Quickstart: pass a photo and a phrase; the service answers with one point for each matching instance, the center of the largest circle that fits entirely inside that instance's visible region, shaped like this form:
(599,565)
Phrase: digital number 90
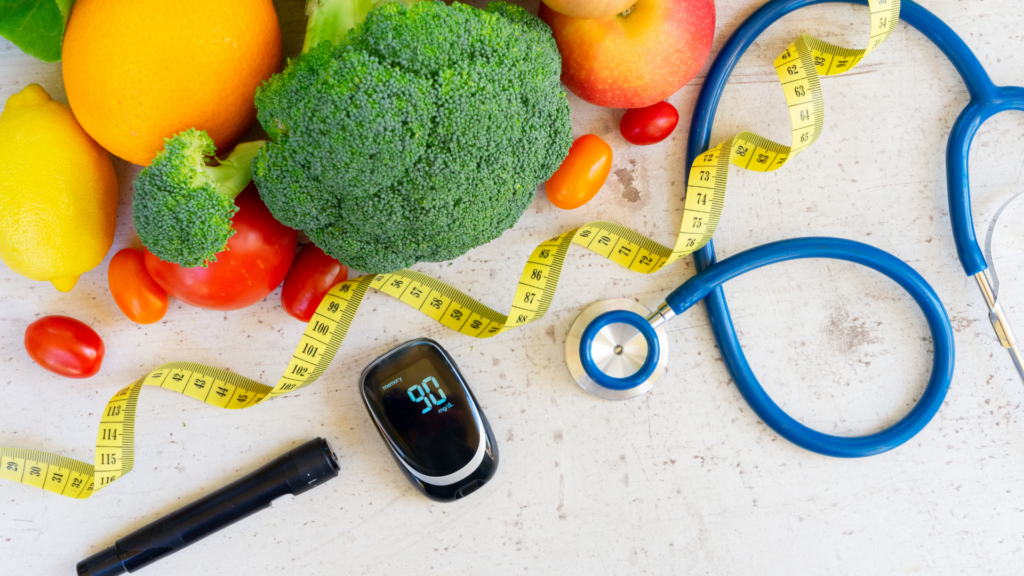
(422,393)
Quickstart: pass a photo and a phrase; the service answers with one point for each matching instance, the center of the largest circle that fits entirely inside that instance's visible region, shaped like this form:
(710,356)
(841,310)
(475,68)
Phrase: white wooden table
(684,480)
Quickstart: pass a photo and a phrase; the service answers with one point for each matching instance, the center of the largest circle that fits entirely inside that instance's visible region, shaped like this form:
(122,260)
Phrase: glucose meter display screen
(425,410)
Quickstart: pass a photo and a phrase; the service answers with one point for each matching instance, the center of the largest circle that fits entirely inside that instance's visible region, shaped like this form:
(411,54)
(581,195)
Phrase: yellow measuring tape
(798,69)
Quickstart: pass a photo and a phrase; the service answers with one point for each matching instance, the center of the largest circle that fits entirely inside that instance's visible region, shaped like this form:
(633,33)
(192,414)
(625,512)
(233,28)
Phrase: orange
(139,71)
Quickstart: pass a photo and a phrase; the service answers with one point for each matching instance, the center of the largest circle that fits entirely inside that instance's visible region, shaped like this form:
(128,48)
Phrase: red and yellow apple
(637,57)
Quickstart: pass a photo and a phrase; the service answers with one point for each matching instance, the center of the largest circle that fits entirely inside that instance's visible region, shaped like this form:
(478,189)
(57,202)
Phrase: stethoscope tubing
(982,90)
(700,286)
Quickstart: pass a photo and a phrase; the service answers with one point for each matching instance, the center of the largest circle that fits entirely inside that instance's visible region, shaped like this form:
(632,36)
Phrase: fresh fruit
(256,261)
(589,8)
(313,274)
(58,191)
(141,71)
(635,58)
(650,125)
(581,174)
(141,299)
(64,346)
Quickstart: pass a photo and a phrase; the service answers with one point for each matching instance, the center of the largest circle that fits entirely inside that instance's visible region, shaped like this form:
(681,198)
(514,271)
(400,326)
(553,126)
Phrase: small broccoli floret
(183,206)
(416,136)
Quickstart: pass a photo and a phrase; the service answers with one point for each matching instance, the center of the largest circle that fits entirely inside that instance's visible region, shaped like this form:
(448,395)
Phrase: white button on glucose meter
(429,419)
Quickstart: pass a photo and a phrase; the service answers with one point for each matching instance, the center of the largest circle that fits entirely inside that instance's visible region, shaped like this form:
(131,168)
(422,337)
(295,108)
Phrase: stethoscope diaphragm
(618,350)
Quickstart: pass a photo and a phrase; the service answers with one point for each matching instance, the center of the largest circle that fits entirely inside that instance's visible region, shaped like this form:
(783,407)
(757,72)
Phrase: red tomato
(312,275)
(141,299)
(650,125)
(256,260)
(581,174)
(64,346)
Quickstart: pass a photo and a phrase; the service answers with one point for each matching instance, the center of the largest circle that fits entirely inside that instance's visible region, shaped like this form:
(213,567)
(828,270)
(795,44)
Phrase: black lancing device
(295,472)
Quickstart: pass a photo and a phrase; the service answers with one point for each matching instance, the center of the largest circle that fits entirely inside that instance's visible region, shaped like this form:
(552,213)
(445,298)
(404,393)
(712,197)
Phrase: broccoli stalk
(233,173)
(183,206)
(330,20)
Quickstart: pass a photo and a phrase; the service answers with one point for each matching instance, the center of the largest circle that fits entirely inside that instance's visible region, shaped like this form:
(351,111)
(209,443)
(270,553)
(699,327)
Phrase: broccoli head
(183,206)
(417,135)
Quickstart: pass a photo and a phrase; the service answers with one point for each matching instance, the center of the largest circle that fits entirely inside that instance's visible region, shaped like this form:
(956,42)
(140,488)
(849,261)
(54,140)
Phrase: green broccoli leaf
(35,26)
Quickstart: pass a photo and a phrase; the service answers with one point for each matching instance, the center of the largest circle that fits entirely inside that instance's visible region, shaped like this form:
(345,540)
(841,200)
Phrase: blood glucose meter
(429,419)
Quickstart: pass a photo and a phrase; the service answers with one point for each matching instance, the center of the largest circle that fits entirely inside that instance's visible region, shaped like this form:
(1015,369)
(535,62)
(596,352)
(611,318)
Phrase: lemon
(58,191)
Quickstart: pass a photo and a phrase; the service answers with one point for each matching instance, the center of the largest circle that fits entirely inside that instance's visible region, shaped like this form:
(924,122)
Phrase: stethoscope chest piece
(626,355)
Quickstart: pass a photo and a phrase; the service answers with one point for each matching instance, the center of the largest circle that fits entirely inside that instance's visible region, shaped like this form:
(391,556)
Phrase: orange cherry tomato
(581,174)
(141,299)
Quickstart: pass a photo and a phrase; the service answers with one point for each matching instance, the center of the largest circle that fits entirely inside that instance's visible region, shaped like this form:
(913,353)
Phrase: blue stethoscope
(616,348)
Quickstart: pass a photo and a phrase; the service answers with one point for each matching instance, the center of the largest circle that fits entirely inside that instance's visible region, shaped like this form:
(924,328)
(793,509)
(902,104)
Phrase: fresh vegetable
(650,125)
(421,135)
(138,71)
(141,299)
(58,191)
(582,173)
(183,206)
(64,346)
(35,26)
(589,8)
(256,261)
(638,57)
(313,274)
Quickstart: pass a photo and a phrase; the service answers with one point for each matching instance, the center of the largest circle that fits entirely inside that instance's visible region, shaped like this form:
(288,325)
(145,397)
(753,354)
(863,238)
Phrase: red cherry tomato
(581,174)
(650,125)
(64,346)
(256,261)
(312,275)
(141,299)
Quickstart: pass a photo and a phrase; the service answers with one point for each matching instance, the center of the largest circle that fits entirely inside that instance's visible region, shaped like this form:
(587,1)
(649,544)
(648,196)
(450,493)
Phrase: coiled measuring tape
(798,69)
